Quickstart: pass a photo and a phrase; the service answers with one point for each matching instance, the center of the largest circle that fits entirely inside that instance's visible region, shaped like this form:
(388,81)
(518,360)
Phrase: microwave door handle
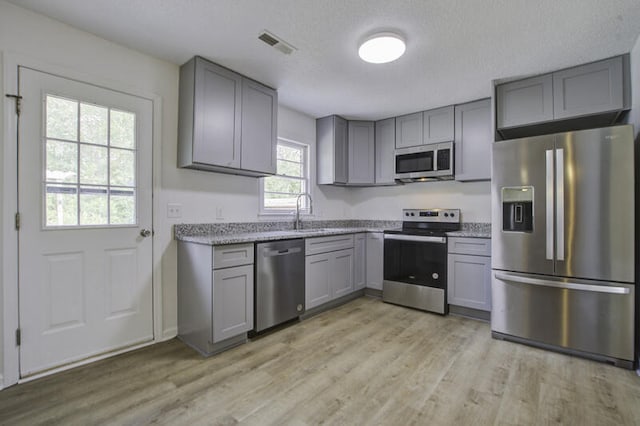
(549,204)
(560,203)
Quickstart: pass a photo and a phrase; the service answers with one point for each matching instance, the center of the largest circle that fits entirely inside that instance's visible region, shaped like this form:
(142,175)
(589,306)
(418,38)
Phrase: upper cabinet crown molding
(585,96)
(227,123)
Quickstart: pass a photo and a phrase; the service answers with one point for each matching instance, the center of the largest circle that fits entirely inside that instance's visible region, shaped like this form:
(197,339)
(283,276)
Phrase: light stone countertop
(469,234)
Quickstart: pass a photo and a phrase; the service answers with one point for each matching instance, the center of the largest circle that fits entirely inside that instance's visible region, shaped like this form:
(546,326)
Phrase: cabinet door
(385,144)
(409,130)
(361,152)
(217,110)
(341,159)
(360,261)
(375,260)
(317,279)
(437,125)
(469,281)
(259,121)
(473,141)
(588,89)
(525,102)
(232,302)
(342,273)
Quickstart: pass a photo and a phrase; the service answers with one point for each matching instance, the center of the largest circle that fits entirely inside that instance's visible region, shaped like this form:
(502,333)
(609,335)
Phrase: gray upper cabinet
(525,102)
(332,151)
(588,89)
(586,96)
(409,130)
(473,140)
(385,143)
(220,113)
(259,131)
(361,143)
(437,125)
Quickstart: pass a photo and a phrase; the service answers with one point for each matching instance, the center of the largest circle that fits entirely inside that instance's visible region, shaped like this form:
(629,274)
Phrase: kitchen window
(280,192)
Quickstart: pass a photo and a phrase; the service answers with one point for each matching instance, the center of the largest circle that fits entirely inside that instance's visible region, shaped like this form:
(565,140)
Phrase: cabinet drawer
(474,246)
(327,244)
(232,255)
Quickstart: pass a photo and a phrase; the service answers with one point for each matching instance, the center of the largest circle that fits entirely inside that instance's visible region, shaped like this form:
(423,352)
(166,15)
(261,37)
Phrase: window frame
(305,148)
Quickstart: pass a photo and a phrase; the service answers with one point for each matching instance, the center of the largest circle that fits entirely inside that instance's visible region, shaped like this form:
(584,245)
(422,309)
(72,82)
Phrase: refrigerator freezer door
(595,206)
(522,164)
(576,315)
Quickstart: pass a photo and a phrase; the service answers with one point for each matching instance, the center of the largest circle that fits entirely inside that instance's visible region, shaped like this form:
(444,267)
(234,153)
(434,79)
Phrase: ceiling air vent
(276,42)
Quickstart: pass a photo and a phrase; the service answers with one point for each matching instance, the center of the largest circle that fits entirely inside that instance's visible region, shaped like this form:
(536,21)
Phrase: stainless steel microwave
(424,162)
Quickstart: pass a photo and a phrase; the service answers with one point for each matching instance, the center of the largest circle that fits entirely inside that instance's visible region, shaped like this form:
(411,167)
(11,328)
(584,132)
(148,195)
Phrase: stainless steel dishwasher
(279,283)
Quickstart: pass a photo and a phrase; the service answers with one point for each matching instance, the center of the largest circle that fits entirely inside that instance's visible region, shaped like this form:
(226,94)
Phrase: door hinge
(18,100)
(17,221)
(18,337)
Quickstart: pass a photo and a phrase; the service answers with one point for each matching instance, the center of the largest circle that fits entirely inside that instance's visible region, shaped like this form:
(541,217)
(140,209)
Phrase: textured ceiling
(454,47)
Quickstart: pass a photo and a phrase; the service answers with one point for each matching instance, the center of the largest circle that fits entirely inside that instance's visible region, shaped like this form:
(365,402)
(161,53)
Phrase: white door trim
(10,368)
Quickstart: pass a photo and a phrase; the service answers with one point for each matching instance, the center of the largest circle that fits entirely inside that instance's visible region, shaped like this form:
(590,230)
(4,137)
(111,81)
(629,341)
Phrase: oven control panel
(431,215)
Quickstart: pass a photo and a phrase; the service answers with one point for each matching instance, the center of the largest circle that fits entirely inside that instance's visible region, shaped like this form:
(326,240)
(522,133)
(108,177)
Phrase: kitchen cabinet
(215,295)
(332,150)
(438,125)
(227,123)
(361,142)
(385,144)
(590,95)
(329,268)
(473,139)
(469,273)
(409,130)
(375,260)
(360,261)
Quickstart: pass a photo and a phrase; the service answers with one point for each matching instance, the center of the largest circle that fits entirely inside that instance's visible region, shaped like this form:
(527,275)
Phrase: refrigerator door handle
(560,203)
(571,286)
(549,203)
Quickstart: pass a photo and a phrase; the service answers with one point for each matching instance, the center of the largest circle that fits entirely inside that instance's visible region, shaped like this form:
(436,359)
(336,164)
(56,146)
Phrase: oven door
(415,271)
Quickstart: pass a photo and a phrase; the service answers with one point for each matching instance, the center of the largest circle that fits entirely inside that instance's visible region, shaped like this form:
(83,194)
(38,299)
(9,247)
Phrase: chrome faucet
(296,224)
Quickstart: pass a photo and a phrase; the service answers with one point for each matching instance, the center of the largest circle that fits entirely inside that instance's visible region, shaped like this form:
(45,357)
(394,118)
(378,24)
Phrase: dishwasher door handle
(271,253)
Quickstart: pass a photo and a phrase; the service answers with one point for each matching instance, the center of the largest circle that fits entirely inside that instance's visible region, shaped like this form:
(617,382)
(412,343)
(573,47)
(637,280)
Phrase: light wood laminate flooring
(363,363)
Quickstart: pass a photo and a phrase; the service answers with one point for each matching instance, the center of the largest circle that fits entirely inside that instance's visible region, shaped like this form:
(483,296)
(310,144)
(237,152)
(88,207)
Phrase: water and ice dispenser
(517,209)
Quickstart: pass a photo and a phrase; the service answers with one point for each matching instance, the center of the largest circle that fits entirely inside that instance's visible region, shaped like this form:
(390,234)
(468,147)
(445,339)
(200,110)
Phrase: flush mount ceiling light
(381,48)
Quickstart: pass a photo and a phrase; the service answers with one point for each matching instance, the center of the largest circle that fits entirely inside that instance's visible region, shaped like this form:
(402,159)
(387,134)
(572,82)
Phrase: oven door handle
(418,238)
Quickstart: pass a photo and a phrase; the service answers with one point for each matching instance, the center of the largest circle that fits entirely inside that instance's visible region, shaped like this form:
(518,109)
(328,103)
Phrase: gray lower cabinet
(360,261)
(473,139)
(385,144)
(375,260)
(597,88)
(469,273)
(215,295)
(332,150)
(361,142)
(226,122)
(329,268)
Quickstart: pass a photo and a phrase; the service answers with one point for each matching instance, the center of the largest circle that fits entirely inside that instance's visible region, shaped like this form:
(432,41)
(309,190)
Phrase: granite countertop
(251,237)
(250,232)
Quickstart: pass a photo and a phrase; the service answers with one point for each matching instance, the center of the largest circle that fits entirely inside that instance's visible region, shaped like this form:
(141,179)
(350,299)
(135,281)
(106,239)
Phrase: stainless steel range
(415,259)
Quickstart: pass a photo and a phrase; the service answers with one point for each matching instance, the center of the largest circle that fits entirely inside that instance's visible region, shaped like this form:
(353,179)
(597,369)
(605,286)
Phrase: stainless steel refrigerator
(563,242)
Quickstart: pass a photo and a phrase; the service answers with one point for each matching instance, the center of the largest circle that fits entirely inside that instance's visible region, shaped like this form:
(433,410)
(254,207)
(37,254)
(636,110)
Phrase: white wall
(473,198)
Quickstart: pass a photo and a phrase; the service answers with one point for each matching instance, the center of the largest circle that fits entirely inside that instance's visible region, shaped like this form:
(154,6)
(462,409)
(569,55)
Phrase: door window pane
(123,125)
(90,177)
(62,161)
(93,165)
(122,167)
(62,118)
(93,124)
(61,205)
(93,206)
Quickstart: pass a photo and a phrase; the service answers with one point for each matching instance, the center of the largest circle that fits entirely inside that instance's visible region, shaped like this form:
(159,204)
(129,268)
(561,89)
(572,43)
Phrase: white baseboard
(169,334)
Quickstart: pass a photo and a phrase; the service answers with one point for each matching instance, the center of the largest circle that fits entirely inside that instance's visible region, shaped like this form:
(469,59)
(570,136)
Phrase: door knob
(145,233)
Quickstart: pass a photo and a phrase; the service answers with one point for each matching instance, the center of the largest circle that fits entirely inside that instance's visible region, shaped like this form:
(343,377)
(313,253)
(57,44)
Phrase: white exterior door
(84,197)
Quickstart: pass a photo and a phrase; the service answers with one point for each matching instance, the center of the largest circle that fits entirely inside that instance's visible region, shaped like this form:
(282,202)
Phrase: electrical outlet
(219,213)
(174,211)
